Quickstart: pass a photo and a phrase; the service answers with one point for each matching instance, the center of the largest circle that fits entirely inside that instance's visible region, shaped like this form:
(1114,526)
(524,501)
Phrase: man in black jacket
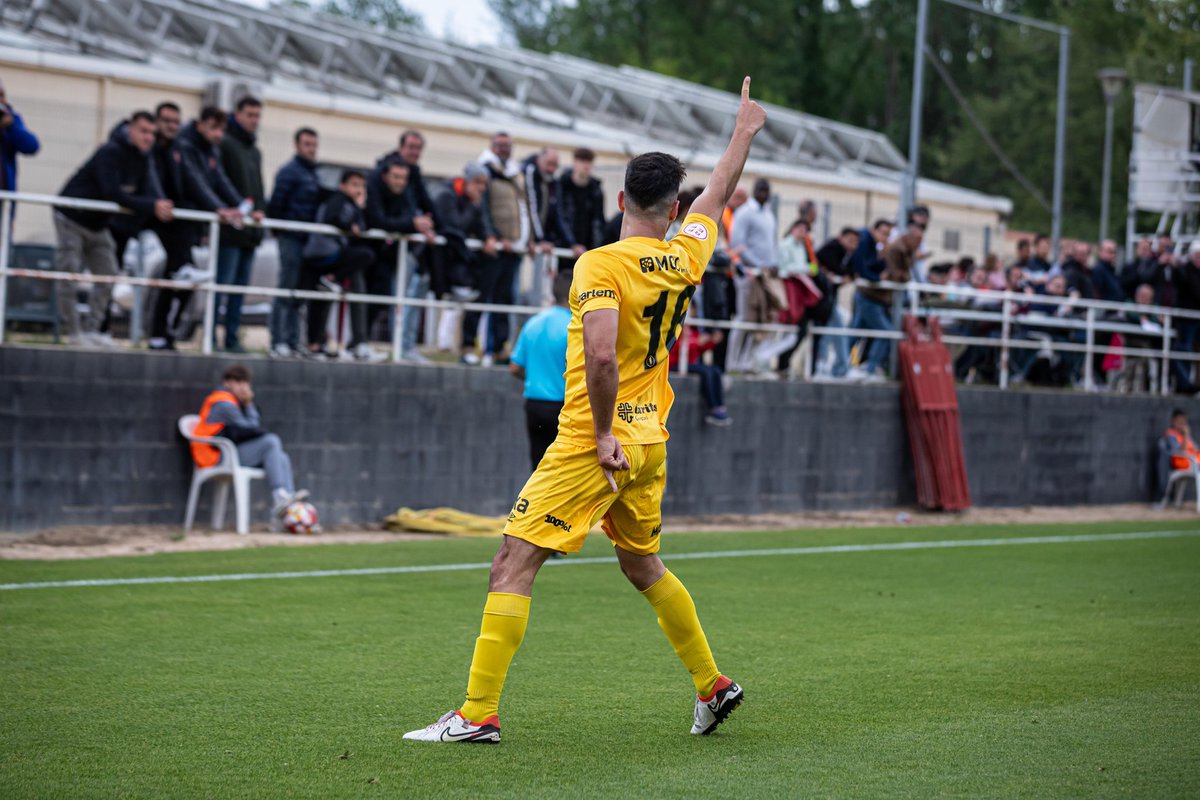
(836,266)
(242,161)
(541,197)
(1104,273)
(194,173)
(1078,273)
(391,208)
(581,206)
(412,144)
(118,172)
(295,196)
(329,260)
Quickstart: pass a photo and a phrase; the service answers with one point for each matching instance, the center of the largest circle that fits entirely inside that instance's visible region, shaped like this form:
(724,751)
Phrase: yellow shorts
(568,494)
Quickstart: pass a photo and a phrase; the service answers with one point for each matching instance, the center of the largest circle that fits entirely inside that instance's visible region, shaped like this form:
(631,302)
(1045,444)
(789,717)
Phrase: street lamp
(1112,82)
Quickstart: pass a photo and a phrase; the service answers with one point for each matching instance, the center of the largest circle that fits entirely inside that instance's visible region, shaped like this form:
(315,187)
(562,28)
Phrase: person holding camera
(15,139)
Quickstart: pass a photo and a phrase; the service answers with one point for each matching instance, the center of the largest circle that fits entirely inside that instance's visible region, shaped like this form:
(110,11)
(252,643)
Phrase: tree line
(852,61)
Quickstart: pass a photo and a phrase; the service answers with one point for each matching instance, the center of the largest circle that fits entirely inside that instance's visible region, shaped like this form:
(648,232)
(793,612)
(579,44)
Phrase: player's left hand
(611,457)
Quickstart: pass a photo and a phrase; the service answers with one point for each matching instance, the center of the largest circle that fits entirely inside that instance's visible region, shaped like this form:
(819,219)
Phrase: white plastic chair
(1177,484)
(225,472)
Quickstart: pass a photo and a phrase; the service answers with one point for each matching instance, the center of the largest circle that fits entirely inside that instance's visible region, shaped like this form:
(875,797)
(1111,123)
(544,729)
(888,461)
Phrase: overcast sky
(469,21)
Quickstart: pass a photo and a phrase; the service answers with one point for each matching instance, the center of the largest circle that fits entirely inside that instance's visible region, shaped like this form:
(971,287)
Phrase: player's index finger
(746,88)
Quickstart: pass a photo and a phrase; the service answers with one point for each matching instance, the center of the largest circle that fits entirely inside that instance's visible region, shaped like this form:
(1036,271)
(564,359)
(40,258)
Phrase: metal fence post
(135,314)
(1089,383)
(683,348)
(401,293)
(1005,332)
(897,324)
(210,291)
(5,239)
(1165,379)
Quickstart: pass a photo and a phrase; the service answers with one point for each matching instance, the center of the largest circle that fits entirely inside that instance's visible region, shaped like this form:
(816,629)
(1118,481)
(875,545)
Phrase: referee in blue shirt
(540,359)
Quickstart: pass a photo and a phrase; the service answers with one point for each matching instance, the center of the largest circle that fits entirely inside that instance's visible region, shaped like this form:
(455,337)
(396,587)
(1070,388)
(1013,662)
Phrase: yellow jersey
(650,283)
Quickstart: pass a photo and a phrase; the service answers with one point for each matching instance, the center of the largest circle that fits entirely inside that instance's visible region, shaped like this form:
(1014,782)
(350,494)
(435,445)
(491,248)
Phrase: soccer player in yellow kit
(609,461)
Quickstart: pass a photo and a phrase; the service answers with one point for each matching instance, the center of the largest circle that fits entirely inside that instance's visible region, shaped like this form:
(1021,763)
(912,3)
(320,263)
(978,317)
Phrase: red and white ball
(301,518)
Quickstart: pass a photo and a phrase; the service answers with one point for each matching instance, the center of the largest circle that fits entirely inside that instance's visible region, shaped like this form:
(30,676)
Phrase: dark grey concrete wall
(90,438)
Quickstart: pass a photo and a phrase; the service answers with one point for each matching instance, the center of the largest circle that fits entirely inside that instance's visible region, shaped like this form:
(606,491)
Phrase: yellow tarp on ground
(444,520)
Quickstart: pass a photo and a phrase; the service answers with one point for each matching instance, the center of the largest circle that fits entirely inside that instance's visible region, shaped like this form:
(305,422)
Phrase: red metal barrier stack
(931,413)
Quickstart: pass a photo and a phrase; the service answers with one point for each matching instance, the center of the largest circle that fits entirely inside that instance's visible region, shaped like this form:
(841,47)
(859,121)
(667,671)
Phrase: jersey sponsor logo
(521,507)
(558,523)
(657,530)
(660,263)
(592,294)
(696,230)
(629,413)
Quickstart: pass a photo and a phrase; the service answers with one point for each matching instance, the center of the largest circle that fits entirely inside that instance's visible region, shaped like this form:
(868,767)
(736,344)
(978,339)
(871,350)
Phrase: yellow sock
(677,617)
(504,619)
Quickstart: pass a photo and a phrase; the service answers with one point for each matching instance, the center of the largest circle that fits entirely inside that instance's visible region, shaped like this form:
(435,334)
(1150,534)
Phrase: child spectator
(712,389)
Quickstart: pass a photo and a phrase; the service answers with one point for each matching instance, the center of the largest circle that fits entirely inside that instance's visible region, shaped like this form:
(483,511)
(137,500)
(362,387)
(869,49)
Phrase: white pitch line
(779,551)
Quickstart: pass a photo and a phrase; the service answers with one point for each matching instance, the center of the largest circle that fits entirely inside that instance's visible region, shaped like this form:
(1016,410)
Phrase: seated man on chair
(230,412)
(1180,447)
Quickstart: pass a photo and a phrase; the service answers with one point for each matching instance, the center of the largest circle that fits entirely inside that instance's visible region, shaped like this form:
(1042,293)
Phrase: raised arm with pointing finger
(751,117)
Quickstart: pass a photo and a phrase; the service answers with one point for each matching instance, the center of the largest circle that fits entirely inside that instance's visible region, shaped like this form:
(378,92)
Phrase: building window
(950,240)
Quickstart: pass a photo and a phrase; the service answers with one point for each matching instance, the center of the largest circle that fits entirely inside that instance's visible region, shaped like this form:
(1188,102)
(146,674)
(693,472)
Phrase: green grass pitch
(1032,670)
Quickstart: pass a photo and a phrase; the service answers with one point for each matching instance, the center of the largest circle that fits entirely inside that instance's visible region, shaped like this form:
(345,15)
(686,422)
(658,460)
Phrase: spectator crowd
(154,164)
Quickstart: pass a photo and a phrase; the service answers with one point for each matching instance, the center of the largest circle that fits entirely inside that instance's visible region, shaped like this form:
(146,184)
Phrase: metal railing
(211,288)
(908,297)
(1013,324)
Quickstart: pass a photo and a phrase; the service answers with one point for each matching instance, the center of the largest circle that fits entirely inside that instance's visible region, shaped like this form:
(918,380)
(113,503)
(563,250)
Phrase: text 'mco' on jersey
(649,282)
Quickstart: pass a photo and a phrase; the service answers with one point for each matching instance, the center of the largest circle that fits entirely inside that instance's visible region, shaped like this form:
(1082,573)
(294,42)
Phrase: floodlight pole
(909,184)
(1060,140)
(1112,81)
(908,188)
(1106,181)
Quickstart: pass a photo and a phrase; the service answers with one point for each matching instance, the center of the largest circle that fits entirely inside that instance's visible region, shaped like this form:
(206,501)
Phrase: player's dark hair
(214,114)
(237,372)
(410,134)
(1178,412)
(1041,237)
(880,222)
(1023,244)
(848,230)
(249,101)
(166,106)
(652,182)
(146,115)
(562,286)
(584,154)
(348,174)
(395,162)
(304,132)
